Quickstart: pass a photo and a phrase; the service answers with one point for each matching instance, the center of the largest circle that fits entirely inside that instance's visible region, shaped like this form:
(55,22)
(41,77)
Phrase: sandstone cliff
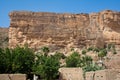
(64,31)
(3,37)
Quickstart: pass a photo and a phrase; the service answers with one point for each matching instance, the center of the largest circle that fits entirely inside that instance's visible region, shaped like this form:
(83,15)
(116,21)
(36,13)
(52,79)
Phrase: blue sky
(58,6)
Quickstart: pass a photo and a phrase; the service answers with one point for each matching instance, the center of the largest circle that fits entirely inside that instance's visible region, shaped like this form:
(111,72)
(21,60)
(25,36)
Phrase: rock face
(64,31)
(114,62)
(3,37)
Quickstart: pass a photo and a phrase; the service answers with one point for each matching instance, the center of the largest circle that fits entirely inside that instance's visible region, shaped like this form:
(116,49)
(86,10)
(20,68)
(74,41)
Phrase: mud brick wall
(12,76)
(107,74)
(71,74)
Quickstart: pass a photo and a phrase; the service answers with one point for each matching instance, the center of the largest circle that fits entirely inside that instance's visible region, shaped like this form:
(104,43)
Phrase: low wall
(12,76)
(90,75)
(71,74)
(107,74)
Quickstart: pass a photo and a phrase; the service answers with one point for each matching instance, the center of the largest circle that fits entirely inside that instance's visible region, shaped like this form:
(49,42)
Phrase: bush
(23,59)
(90,48)
(86,61)
(18,60)
(47,67)
(73,60)
(92,67)
(59,55)
(84,52)
(96,49)
(114,51)
(102,53)
(45,50)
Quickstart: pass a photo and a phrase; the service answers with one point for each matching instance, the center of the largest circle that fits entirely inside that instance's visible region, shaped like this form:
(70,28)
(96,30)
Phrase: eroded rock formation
(64,30)
(3,37)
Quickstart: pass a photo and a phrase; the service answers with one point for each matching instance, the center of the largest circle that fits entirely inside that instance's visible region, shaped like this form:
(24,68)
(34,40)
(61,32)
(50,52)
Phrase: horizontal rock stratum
(60,31)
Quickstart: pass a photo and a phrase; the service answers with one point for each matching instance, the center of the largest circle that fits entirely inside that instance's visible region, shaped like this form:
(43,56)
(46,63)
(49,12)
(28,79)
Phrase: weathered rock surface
(64,30)
(3,37)
(113,62)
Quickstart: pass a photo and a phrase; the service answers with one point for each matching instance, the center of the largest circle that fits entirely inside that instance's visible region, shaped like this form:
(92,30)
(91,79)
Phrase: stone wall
(77,74)
(90,75)
(12,77)
(71,74)
(107,74)
(60,31)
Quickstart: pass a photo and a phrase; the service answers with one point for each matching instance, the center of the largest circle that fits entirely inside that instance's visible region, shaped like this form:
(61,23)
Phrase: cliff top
(26,13)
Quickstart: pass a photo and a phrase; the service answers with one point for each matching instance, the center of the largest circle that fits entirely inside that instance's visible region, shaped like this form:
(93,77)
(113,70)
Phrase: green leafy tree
(3,61)
(6,60)
(59,55)
(23,59)
(47,67)
(17,60)
(51,67)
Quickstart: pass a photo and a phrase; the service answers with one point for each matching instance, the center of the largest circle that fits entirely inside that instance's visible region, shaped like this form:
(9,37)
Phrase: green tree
(3,65)
(23,59)
(47,67)
(17,60)
(73,60)
(6,60)
(59,55)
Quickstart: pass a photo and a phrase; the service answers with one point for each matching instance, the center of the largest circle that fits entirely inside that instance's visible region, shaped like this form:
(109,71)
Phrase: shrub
(96,49)
(102,53)
(47,67)
(90,48)
(73,60)
(17,60)
(84,52)
(59,55)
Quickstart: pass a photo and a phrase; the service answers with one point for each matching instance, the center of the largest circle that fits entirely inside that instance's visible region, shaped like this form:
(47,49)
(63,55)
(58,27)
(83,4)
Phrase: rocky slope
(3,37)
(64,31)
